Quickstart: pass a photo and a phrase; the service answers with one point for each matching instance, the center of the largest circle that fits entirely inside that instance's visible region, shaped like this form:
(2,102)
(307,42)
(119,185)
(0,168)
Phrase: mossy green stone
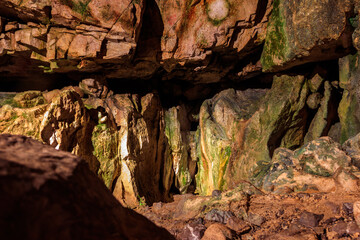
(29,99)
(322,157)
(280,122)
(8,99)
(105,144)
(177,150)
(349,107)
(275,49)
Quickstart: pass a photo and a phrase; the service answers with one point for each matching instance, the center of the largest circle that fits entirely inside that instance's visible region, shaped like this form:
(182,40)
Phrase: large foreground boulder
(51,194)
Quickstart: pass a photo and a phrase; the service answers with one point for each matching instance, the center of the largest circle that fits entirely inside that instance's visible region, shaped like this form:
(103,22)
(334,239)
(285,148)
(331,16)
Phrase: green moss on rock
(105,143)
(8,99)
(322,157)
(276,45)
(280,122)
(178,152)
(29,99)
(349,107)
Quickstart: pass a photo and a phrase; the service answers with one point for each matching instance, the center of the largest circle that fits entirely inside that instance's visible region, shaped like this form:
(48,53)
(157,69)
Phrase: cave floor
(303,215)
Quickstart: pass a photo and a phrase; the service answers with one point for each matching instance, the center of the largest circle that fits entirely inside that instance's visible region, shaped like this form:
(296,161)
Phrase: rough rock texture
(66,125)
(326,112)
(319,165)
(306,31)
(63,123)
(217,231)
(352,149)
(349,107)
(144,152)
(284,114)
(21,121)
(39,183)
(222,123)
(97,35)
(194,29)
(179,137)
(145,68)
(199,41)
(122,138)
(140,147)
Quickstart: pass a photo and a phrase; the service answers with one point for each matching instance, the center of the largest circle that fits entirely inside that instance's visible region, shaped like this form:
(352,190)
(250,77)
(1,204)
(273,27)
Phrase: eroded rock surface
(92,35)
(306,31)
(223,121)
(349,105)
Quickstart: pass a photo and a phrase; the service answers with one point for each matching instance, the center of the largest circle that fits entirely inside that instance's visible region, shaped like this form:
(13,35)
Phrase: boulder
(192,231)
(280,172)
(218,231)
(29,99)
(39,183)
(310,220)
(319,165)
(23,121)
(222,123)
(219,216)
(322,157)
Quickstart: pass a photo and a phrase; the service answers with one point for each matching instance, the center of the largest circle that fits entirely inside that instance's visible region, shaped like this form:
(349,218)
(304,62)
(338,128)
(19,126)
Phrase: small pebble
(216,193)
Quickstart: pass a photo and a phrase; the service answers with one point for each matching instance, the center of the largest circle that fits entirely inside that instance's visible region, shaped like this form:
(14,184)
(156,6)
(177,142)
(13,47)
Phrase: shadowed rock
(50,194)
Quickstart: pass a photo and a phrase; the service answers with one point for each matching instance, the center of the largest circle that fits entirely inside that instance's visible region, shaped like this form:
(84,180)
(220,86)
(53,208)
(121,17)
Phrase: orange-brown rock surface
(51,194)
(97,35)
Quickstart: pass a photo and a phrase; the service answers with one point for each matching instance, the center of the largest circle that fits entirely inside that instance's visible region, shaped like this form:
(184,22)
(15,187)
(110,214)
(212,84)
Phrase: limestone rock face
(39,183)
(349,107)
(29,99)
(121,137)
(66,126)
(283,112)
(22,121)
(306,31)
(223,120)
(177,131)
(320,124)
(140,147)
(193,28)
(96,35)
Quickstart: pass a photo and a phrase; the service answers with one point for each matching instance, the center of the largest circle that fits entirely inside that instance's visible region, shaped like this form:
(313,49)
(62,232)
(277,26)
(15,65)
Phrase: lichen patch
(218,10)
